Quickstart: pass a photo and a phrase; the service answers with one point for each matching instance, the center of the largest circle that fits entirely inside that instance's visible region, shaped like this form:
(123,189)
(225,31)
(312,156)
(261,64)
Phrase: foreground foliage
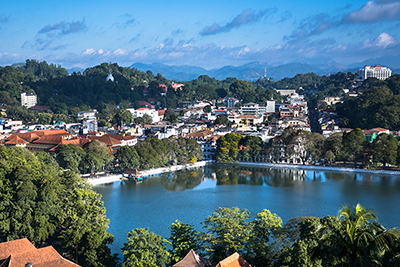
(49,206)
(350,239)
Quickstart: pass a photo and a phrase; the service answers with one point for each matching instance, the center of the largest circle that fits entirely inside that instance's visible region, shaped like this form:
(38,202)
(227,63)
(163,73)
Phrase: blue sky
(209,34)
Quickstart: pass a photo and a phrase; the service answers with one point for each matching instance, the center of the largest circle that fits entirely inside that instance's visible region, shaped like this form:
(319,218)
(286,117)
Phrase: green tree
(144,246)
(97,156)
(354,144)
(44,118)
(127,157)
(226,231)
(71,157)
(364,242)
(41,202)
(228,148)
(123,116)
(207,109)
(385,149)
(84,228)
(170,115)
(265,225)
(183,238)
(222,120)
(29,196)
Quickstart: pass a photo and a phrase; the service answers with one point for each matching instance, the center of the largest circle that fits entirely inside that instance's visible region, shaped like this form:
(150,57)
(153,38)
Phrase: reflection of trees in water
(340,175)
(231,175)
(182,180)
(283,177)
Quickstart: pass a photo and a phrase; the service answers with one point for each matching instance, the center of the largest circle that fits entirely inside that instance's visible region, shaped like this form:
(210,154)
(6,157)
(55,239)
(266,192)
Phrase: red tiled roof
(25,136)
(16,140)
(161,112)
(19,252)
(234,260)
(144,103)
(106,139)
(379,129)
(49,140)
(369,132)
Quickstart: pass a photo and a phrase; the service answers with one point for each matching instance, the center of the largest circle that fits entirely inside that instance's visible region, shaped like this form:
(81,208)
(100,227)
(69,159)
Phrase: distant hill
(70,71)
(251,71)
(392,62)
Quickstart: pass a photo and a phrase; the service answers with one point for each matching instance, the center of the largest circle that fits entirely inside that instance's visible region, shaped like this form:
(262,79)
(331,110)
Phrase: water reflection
(182,180)
(274,177)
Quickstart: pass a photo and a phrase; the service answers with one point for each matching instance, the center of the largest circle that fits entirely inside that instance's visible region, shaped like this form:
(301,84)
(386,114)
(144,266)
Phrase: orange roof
(49,140)
(25,136)
(7,248)
(19,252)
(379,129)
(234,260)
(248,116)
(161,112)
(106,139)
(16,140)
(200,134)
(143,109)
(77,141)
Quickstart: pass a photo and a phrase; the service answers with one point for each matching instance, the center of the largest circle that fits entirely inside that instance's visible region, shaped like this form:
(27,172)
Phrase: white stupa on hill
(110,77)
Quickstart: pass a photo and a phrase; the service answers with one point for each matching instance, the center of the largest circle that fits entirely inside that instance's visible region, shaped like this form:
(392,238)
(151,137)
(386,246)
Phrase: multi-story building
(28,99)
(379,72)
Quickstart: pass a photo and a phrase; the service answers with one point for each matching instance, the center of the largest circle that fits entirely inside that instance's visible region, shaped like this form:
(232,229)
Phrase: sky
(209,34)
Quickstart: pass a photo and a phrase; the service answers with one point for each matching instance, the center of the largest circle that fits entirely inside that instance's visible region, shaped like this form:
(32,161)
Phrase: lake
(192,195)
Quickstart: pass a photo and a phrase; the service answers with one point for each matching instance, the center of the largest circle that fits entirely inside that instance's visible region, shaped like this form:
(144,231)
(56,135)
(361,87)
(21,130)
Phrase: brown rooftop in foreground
(20,252)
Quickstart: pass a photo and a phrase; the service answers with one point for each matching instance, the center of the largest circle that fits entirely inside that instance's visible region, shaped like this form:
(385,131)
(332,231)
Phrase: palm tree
(361,241)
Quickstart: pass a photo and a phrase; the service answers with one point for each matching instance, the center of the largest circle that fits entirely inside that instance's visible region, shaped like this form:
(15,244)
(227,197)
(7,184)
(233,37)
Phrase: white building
(136,113)
(90,115)
(28,100)
(90,125)
(379,72)
(109,76)
(270,106)
(253,109)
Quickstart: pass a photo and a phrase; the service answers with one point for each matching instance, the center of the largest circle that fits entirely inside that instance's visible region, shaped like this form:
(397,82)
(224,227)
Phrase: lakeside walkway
(118,177)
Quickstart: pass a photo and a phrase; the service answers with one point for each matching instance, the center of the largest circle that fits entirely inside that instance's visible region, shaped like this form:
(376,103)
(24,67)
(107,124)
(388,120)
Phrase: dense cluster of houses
(266,121)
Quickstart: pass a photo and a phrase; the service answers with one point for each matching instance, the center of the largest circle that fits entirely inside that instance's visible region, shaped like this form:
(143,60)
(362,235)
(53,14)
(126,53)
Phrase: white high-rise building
(28,100)
(377,71)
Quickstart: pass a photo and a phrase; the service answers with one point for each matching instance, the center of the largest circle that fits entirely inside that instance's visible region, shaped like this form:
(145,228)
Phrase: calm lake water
(192,195)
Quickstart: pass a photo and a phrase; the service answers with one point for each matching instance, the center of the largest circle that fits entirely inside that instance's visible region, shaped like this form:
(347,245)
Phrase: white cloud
(374,11)
(382,41)
(89,51)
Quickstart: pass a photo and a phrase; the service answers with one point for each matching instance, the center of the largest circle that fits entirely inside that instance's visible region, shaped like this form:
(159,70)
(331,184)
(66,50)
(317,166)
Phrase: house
(230,102)
(40,140)
(21,252)
(372,134)
(249,119)
(234,260)
(208,142)
(28,100)
(90,115)
(115,141)
(140,112)
(192,259)
(41,108)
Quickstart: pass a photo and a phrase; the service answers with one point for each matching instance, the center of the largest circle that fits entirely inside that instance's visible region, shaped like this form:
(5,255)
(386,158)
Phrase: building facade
(379,72)
(28,100)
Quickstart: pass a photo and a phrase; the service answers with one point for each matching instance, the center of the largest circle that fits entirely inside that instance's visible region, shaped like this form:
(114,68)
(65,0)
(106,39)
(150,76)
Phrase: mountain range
(254,70)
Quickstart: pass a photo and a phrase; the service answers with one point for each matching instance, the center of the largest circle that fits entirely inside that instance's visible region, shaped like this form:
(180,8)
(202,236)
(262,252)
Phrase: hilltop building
(379,72)
(110,77)
(28,100)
